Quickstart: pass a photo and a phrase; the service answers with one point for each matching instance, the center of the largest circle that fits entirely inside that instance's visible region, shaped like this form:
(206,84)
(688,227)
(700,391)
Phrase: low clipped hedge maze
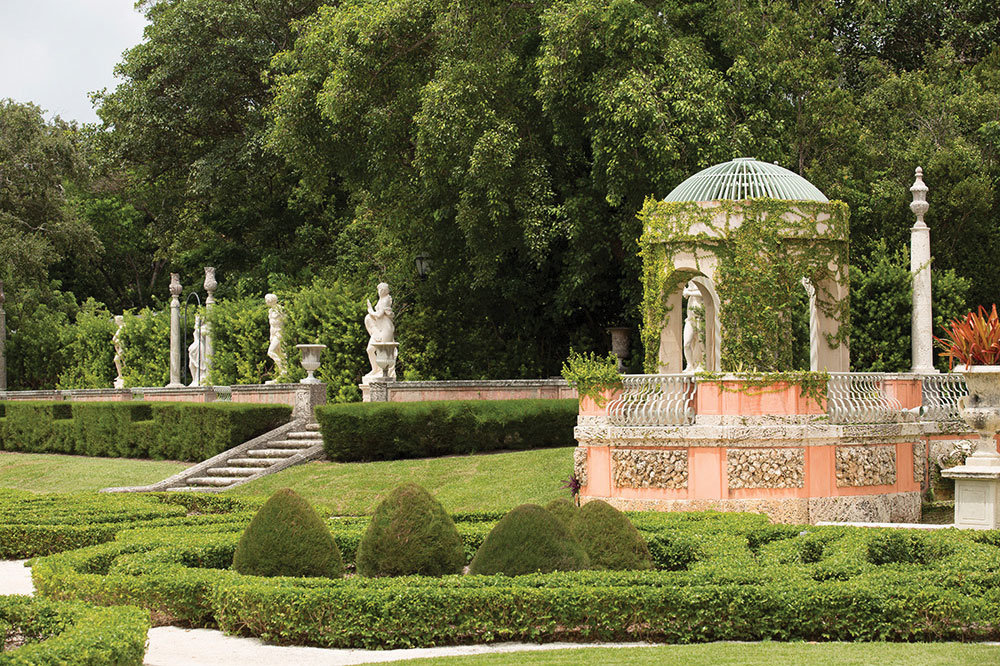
(160,430)
(717,577)
(368,431)
(39,632)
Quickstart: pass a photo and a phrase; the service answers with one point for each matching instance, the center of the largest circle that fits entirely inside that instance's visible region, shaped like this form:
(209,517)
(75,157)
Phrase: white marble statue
(116,340)
(276,319)
(196,356)
(813,325)
(694,330)
(381,328)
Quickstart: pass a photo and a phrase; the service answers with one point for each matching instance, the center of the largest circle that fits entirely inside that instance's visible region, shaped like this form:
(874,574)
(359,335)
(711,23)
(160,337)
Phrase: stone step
(313,427)
(235,471)
(249,462)
(280,454)
(213,480)
(305,434)
(293,444)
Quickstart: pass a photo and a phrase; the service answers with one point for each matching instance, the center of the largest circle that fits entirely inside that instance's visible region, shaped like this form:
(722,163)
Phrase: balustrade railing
(860,397)
(940,395)
(652,400)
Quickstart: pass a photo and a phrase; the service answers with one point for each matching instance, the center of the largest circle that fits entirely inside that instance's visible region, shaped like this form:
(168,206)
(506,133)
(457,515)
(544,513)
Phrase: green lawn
(487,482)
(746,654)
(53,473)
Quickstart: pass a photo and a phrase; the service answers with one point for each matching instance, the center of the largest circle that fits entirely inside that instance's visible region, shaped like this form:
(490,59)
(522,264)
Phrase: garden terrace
(802,447)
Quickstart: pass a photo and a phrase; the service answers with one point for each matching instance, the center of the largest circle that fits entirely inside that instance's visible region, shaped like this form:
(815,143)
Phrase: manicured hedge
(71,633)
(391,431)
(735,577)
(161,430)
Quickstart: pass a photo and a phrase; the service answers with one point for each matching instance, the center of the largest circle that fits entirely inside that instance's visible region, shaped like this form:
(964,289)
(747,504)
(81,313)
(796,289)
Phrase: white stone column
(921,322)
(3,341)
(207,348)
(175,331)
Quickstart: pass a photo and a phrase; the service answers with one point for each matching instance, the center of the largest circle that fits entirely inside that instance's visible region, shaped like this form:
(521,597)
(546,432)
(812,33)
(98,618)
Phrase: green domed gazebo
(750,236)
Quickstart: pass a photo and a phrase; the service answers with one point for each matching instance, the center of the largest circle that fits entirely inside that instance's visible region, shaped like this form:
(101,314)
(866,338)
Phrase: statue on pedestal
(116,340)
(694,330)
(276,320)
(380,326)
(196,356)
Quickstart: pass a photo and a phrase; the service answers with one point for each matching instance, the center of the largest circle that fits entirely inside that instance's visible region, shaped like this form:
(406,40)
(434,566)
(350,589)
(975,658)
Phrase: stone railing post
(175,332)
(921,322)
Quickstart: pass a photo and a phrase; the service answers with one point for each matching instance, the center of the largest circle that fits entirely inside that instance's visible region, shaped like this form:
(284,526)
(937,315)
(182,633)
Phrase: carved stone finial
(175,285)
(919,205)
(210,284)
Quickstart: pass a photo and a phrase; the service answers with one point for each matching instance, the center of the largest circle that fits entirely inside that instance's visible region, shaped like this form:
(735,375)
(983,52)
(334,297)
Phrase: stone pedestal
(175,332)
(379,389)
(977,496)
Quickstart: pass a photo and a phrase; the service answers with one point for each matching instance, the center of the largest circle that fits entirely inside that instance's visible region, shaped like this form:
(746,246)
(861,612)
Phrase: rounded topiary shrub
(410,533)
(287,538)
(526,540)
(565,510)
(610,538)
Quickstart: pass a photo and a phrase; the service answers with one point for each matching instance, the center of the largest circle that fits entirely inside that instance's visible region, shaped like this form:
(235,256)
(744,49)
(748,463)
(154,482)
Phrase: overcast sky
(54,52)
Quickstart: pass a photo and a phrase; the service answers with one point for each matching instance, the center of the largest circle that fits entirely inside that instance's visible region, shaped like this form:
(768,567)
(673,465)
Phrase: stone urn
(620,339)
(385,355)
(981,410)
(310,361)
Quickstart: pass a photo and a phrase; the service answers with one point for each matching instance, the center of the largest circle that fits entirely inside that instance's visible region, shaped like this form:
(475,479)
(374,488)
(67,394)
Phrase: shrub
(332,315)
(894,547)
(410,533)
(565,510)
(88,354)
(146,348)
(287,538)
(526,540)
(610,539)
(72,633)
(165,430)
(241,337)
(391,431)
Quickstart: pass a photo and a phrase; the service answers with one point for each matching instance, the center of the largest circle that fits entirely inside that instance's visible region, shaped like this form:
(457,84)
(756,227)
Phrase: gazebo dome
(746,178)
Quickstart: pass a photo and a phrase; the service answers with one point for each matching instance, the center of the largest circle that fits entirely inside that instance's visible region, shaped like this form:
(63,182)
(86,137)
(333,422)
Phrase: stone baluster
(175,331)
(921,322)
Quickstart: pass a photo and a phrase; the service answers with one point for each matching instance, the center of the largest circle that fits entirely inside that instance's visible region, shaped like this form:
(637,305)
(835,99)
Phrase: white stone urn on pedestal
(977,482)
(310,361)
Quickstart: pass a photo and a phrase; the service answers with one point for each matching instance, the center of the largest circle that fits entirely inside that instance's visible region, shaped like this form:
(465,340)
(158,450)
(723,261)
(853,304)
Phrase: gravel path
(173,646)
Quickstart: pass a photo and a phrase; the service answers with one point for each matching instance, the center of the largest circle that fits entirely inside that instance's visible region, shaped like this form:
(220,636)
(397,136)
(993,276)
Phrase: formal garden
(534,333)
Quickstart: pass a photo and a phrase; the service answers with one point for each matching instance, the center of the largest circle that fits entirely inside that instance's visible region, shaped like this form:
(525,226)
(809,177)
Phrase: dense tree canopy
(510,143)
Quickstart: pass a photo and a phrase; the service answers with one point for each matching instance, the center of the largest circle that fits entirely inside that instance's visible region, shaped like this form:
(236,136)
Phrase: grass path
(488,482)
(745,654)
(54,473)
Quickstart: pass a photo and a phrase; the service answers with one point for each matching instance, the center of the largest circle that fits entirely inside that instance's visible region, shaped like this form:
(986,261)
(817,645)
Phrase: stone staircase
(291,444)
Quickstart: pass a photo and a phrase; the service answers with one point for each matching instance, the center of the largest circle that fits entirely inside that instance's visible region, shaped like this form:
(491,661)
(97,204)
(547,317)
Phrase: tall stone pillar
(921,322)
(207,348)
(175,331)
(3,342)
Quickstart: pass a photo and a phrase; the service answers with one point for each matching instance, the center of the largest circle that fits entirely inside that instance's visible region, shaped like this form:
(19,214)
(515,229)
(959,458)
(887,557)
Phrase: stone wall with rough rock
(641,468)
(865,466)
(580,464)
(766,468)
(919,461)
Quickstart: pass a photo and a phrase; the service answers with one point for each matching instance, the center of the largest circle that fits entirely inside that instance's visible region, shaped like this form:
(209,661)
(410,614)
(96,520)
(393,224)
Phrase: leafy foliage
(88,355)
(974,340)
(410,533)
(526,540)
(610,538)
(287,538)
(592,375)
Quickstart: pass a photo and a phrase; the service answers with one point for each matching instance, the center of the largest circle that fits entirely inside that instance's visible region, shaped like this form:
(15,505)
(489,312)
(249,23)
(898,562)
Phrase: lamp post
(921,322)
(423,266)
